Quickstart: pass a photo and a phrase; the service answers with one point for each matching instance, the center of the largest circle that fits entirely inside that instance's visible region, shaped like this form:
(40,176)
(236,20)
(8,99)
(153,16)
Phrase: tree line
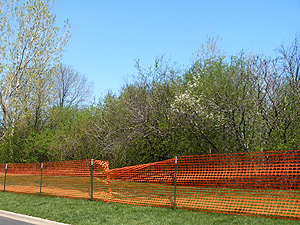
(242,103)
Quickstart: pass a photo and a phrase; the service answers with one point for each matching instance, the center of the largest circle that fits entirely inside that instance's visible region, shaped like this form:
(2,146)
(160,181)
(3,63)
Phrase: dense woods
(242,103)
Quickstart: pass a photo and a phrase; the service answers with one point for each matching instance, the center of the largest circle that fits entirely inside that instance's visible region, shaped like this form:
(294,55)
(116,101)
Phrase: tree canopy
(241,103)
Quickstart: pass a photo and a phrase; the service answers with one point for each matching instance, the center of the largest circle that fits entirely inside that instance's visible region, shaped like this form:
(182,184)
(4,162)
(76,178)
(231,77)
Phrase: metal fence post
(5,177)
(41,182)
(175,180)
(92,184)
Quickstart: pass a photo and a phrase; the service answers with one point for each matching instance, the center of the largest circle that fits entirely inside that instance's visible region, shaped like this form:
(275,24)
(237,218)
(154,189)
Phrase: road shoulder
(28,219)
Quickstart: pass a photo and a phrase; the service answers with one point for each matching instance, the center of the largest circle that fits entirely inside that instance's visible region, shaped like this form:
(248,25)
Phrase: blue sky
(108,36)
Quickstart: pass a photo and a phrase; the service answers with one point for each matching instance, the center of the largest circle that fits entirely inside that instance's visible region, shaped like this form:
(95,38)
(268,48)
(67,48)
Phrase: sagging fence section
(257,184)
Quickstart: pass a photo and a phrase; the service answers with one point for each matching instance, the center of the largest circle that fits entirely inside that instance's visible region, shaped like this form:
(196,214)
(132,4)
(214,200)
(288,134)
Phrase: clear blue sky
(108,36)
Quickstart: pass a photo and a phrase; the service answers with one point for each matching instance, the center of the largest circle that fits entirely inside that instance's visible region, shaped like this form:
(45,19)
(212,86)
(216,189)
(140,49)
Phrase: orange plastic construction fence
(71,179)
(257,183)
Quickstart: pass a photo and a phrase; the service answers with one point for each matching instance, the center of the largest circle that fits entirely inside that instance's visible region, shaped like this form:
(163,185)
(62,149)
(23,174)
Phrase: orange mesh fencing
(149,184)
(71,179)
(257,183)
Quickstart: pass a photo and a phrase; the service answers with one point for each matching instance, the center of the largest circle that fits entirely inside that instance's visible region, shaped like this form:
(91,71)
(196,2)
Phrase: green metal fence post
(5,178)
(92,184)
(41,182)
(175,180)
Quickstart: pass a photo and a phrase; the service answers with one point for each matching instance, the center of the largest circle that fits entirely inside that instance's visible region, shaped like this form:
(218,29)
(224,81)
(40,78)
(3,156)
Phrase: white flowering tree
(217,100)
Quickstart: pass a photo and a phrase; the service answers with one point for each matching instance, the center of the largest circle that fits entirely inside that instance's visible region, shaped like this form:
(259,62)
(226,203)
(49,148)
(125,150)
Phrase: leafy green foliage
(219,104)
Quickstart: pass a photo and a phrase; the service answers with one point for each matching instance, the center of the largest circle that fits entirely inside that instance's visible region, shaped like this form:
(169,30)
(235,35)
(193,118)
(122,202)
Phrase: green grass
(86,212)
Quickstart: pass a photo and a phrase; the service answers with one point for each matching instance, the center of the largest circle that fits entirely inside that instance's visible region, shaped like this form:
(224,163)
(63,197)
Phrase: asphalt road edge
(28,219)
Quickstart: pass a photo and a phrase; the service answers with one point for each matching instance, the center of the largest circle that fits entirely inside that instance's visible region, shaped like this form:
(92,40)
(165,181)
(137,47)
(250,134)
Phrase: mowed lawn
(86,212)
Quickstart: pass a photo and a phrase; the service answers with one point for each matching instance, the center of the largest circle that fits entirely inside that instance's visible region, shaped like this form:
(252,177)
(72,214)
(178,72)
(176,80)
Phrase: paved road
(9,218)
(8,221)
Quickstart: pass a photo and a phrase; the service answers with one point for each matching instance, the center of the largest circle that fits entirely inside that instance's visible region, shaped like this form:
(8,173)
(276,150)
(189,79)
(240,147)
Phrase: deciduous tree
(31,44)
(73,88)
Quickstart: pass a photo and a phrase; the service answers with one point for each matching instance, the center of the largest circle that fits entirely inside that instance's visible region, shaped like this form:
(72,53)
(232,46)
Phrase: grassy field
(239,201)
(86,212)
